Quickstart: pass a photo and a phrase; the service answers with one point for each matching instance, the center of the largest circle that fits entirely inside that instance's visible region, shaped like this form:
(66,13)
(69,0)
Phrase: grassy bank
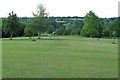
(60,57)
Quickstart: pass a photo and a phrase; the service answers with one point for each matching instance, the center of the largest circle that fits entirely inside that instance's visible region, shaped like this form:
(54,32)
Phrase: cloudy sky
(102,8)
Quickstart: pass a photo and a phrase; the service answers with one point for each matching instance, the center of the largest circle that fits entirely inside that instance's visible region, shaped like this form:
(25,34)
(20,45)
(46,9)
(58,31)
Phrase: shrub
(78,31)
(73,32)
(83,33)
(59,31)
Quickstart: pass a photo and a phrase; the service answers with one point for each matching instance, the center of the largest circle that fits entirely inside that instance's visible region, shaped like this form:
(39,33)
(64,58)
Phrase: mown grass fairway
(60,57)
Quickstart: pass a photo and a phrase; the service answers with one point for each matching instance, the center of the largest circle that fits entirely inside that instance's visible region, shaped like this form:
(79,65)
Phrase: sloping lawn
(60,57)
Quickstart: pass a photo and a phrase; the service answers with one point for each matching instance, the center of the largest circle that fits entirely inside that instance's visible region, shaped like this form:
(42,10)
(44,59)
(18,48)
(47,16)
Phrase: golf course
(71,42)
(70,56)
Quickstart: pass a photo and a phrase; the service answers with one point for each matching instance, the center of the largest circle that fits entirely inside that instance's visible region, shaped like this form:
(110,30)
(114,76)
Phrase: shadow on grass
(15,39)
(33,39)
(111,38)
(53,39)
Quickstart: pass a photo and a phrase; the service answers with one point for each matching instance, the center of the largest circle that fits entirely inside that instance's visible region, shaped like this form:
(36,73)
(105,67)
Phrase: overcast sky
(102,8)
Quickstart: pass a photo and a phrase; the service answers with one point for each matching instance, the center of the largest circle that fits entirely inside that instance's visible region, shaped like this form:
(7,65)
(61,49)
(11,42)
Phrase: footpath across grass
(59,57)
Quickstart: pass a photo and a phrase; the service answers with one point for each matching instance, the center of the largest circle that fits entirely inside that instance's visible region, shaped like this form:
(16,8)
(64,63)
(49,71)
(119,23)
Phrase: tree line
(91,26)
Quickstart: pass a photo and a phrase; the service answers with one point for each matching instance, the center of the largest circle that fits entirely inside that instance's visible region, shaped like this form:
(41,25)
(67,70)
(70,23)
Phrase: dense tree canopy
(50,29)
(115,27)
(92,25)
(29,30)
(12,24)
(89,26)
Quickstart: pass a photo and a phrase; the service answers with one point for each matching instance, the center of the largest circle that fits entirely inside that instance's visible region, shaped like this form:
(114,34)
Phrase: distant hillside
(59,19)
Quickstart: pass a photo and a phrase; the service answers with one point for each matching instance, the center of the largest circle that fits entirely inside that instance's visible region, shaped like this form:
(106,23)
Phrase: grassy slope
(60,57)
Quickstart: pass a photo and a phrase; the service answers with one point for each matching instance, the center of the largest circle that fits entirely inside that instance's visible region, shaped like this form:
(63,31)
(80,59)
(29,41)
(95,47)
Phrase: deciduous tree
(12,24)
(39,20)
(92,25)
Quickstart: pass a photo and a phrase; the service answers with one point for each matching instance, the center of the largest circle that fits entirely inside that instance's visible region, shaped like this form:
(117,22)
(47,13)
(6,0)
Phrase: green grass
(60,57)
(61,21)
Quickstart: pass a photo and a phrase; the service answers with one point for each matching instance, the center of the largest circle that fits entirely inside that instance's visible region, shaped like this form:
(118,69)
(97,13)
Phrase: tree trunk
(114,39)
(29,37)
(38,35)
(11,37)
(33,36)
